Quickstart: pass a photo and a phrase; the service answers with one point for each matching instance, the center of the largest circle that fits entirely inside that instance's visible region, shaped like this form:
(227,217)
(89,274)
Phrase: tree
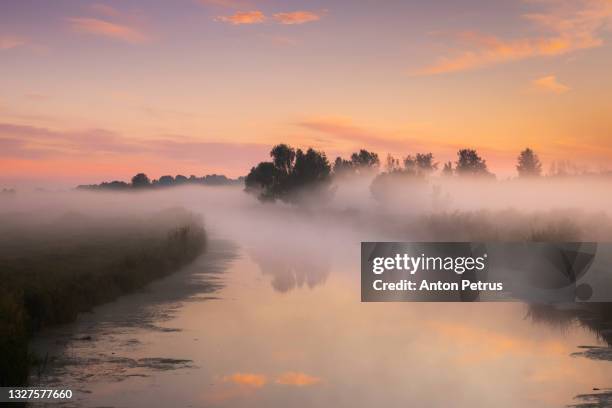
(140,180)
(392,164)
(421,165)
(447,170)
(310,168)
(360,162)
(283,158)
(261,179)
(165,181)
(365,159)
(342,166)
(528,164)
(290,172)
(413,175)
(469,163)
(180,179)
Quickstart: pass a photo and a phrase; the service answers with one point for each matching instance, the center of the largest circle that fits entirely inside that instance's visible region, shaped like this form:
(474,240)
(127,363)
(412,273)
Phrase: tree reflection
(292,267)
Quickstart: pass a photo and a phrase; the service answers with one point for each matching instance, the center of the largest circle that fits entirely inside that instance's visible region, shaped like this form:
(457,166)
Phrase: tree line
(141,181)
(291,170)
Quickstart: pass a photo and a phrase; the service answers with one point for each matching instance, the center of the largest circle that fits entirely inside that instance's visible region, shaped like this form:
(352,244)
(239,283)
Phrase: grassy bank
(52,271)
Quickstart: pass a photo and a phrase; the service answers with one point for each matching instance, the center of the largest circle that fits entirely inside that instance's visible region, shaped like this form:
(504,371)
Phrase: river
(240,328)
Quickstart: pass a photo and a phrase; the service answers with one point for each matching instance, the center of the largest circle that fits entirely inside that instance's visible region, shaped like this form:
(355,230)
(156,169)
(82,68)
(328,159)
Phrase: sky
(93,91)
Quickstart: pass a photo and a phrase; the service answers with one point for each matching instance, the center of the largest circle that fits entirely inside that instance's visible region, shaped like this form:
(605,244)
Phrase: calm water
(246,327)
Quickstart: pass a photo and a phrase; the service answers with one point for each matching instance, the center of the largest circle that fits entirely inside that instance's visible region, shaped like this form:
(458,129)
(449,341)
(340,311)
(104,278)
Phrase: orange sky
(97,91)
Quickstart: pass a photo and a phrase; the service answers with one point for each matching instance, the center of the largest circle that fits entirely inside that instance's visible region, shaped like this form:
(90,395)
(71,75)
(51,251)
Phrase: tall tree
(392,164)
(310,167)
(360,162)
(469,163)
(447,170)
(289,172)
(365,159)
(422,164)
(529,164)
(342,166)
(261,180)
(283,158)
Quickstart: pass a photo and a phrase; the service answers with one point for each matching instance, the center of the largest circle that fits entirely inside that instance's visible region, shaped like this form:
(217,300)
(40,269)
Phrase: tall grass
(51,272)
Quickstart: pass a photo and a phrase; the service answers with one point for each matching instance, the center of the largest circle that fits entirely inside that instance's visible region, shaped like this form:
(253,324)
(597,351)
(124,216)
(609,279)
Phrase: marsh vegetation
(54,269)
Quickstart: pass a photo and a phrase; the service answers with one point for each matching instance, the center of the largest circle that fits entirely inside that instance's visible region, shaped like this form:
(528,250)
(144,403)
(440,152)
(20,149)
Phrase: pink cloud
(107,29)
(297,379)
(567,32)
(550,84)
(8,42)
(29,142)
(297,17)
(244,17)
(247,379)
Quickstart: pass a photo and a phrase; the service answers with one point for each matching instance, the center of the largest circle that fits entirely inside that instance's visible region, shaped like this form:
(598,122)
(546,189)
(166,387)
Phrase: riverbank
(51,272)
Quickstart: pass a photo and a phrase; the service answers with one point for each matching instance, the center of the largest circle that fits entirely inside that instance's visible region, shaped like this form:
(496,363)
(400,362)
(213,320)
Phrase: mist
(436,209)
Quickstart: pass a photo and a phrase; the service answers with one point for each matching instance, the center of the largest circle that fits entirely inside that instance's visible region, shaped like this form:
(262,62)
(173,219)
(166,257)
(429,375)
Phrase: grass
(52,272)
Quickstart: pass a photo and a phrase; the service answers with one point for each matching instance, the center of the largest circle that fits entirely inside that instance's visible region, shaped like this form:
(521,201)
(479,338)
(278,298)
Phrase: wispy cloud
(27,142)
(103,28)
(550,84)
(342,131)
(297,17)
(297,379)
(257,17)
(8,42)
(247,379)
(244,17)
(563,31)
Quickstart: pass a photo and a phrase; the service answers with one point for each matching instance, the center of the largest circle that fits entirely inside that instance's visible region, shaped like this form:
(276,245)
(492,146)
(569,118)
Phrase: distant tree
(425,162)
(414,173)
(365,159)
(342,166)
(447,170)
(360,162)
(217,180)
(421,164)
(140,180)
(180,179)
(392,164)
(528,164)
(165,181)
(469,163)
(289,172)
(115,185)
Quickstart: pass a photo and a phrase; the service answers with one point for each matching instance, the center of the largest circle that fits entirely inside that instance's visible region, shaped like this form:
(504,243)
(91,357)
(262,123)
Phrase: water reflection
(255,346)
(598,399)
(595,317)
(104,346)
(292,267)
